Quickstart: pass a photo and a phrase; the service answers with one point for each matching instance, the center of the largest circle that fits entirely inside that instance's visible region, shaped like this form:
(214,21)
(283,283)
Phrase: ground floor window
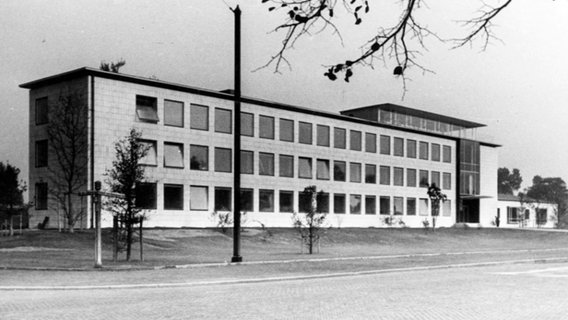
(398,203)
(447,208)
(266,200)
(247,196)
(41,196)
(146,197)
(355,204)
(173,197)
(222,199)
(370,205)
(286,201)
(423,206)
(323,202)
(411,206)
(541,216)
(513,215)
(384,204)
(339,203)
(198,198)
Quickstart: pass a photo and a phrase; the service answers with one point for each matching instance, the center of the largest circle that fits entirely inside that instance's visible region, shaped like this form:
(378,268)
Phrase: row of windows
(519,215)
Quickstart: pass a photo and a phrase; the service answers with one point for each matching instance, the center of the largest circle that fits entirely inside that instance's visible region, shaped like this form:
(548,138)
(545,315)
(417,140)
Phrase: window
(322,169)
(423,206)
(384,204)
(247,198)
(223,161)
(423,150)
(370,205)
(223,120)
(435,178)
(173,197)
(322,200)
(266,127)
(286,130)
(339,138)
(384,175)
(266,200)
(41,111)
(265,164)
(411,148)
(423,178)
(223,199)
(305,133)
(370,142)
(286,201)
(385,144)
(41,196)
(354,172)
(305,170)
(198,157)
(41,153)
(304,201)
(146,197)
(147,109)
(411,206)
(198,198)
(435,152)
(247,162)
(173,155)
(338,203)
(446,181)
(322,135)
(398,176)
(339,170)
(370,173)
(199,117)
(151,157)
(355,204)
(447,208)
(286,166)
(541,216)
(411,177)
(247,124)
(447,154)
(173,113)
(398,203)
(513,215)
(398,147)
(355,140)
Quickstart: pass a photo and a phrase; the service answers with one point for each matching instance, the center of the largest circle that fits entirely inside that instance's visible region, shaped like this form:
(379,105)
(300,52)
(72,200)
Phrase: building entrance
(469,211)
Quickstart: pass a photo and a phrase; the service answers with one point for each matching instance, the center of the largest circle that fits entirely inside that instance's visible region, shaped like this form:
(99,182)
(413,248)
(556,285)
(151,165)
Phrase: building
(516,212)
(372,163)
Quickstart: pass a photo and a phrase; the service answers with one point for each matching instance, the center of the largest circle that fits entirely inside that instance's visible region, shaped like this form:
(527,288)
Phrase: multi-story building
(372,163)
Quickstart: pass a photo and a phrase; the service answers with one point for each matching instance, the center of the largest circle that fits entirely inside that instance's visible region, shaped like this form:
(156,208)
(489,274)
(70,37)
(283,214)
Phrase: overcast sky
(518,87)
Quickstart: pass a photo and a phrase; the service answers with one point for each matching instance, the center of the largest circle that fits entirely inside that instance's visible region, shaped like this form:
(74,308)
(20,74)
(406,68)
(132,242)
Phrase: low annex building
(516,212)
(372,162)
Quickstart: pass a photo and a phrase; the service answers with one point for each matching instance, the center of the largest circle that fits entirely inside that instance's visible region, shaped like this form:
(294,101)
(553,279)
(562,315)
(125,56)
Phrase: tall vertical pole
(98,238)
(237,143)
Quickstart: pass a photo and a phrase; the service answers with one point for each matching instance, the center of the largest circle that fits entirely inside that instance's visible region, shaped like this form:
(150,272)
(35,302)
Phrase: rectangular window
(223,161)
(305,168)
(384,175)
(198,157)
(265,164)
(513,215)
(322,169)
(398,203)
(305,133)
(446,181)
(266,200)
(199,198)
(286,166)
(304,202)
(411,177)
(247,162)
(223,199)
(173,155)
(355,140)
(41,196)
(384,204)
(41,153)
(339,170)
(370,173)
(370,205)
(173,197)
(41,111)
(199,117)
(435,152)
(398,147)
(447,208)
(411,148)
(247,198)
(286,130)
(370,142)
(146,196)
(423,178)
(398,176)
(423,150)
(151,157)
(147,109)
(247,124)
(411,206)
(339,138)
(385,144)
(286,201)
(423,207)
(173,113)
(541,216)
(355,204)
(354,172)
(266,127)
(435,179)
(322,200)
(323,135)
(223,120)
(339,203)
(447,154)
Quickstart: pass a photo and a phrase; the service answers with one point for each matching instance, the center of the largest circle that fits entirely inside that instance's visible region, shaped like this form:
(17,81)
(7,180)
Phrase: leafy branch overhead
(402,42)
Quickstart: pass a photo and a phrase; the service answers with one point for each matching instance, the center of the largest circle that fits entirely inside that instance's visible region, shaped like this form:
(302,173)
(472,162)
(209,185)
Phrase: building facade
(516,212)
(372,164)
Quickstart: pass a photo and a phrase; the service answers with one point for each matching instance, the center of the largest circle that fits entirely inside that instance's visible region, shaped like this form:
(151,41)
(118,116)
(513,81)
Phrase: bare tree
(112,66)
(310,225)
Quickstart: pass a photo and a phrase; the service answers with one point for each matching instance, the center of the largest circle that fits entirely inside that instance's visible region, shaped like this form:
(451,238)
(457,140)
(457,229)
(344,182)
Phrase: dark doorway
(469,211)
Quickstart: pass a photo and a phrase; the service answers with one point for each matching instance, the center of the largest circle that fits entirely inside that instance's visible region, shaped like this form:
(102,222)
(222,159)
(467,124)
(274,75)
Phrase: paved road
(523,291)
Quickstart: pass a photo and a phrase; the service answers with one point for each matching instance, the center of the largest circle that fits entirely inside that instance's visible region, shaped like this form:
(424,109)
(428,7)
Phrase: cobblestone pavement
(524,291)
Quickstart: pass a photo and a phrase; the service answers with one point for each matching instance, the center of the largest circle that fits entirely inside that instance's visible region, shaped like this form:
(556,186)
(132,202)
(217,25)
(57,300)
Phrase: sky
(517,87)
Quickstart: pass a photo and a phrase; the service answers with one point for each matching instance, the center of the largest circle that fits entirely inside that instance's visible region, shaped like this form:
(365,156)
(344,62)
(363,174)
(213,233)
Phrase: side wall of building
(488,185)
